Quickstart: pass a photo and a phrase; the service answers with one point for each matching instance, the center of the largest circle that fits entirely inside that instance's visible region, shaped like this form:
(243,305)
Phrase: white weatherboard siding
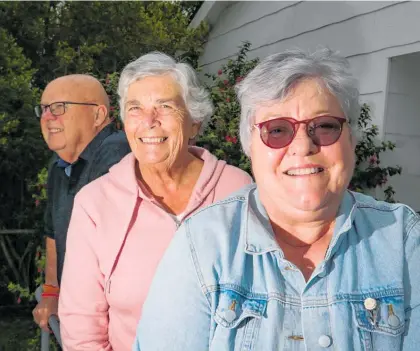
(402,125)
(368,33)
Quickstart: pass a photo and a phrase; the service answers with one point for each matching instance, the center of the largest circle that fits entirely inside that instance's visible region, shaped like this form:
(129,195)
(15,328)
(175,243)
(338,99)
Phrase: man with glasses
(75,123)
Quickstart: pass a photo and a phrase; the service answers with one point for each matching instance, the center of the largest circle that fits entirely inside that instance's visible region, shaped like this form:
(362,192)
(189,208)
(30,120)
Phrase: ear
(101,115)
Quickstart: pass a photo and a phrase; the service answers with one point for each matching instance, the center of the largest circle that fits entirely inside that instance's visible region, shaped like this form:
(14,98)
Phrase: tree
(21,150)
(99,37)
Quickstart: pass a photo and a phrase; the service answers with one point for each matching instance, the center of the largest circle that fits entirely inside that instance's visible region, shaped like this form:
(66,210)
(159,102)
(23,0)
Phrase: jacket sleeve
(411,340)
(83,308)
(176,315)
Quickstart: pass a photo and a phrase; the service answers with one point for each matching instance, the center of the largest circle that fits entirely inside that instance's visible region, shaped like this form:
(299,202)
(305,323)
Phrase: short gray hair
(196,98)
(273,78)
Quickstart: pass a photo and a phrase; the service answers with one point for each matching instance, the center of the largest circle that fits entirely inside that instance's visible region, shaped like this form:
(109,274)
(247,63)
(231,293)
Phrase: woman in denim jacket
(295,262)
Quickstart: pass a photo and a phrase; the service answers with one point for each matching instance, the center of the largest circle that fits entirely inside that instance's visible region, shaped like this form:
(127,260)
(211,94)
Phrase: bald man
(75,123)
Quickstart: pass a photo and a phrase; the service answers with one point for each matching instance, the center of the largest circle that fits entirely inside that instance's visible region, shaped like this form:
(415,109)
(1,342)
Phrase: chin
(55,147)
(309,201)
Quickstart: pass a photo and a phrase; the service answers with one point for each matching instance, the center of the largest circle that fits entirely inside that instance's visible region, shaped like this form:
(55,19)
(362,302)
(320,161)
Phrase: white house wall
(402,125)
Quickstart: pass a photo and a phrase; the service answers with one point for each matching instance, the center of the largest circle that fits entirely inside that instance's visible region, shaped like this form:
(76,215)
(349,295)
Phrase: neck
(162,178)
(299,228)
(72,156)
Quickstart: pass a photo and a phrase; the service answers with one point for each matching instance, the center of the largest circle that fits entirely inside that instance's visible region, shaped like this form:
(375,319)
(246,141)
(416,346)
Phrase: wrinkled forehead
(302,100)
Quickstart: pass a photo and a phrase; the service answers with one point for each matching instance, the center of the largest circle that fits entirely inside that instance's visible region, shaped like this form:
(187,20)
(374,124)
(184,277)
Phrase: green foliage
(368,173)
(221,138)
(21,144)
(99,37)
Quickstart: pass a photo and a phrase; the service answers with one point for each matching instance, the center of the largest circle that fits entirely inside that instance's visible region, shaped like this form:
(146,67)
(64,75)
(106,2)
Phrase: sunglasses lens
(277,133)
(324,130)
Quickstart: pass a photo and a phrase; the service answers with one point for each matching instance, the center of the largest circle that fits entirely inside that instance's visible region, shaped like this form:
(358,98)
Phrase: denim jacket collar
(259,235)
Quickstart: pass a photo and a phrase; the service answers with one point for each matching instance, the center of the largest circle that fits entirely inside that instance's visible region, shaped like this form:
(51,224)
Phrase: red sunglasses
(279,132)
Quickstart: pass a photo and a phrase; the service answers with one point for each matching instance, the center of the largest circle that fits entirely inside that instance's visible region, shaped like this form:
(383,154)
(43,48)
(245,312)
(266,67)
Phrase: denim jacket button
(370,304)
(230,316)
(325,341)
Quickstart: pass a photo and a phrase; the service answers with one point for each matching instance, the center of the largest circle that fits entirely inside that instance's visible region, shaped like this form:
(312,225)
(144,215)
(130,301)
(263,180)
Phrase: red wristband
(49,295)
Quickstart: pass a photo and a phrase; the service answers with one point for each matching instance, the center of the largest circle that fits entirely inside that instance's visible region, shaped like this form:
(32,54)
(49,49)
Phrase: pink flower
(37,202)
(239,79)
(234,140)
(19,300)
(39,270)
(219,72)
(226,82)
(228,138)
(112,108)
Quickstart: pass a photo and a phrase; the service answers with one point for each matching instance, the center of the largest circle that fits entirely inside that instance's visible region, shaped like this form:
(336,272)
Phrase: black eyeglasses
(58,108)
(279,132)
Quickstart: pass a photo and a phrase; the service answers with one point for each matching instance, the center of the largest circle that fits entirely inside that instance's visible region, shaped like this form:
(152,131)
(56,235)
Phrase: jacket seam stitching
(196,264)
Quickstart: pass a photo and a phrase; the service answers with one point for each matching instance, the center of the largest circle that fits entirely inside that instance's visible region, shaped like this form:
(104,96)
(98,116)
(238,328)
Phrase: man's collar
(90,149)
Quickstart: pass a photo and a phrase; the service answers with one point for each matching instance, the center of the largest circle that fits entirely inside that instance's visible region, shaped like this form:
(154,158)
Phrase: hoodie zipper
(107,287)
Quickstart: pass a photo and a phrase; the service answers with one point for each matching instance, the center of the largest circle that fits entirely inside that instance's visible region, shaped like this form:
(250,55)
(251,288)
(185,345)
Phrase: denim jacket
(224,284)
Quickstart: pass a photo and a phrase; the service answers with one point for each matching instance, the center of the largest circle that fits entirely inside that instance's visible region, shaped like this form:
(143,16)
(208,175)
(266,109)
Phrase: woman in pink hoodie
(122,223)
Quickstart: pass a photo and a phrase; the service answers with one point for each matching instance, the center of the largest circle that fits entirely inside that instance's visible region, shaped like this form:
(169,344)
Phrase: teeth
(153,140)
(304,171)
(55,130)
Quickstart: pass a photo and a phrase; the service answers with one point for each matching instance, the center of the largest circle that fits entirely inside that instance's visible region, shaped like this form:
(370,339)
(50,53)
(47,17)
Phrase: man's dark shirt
(64,181)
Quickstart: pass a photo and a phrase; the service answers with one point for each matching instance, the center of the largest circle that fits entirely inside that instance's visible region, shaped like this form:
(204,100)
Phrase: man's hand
(46,307)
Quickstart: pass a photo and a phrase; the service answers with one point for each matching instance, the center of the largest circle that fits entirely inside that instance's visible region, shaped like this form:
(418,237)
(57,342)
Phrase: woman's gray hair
(196,97)
(274,77)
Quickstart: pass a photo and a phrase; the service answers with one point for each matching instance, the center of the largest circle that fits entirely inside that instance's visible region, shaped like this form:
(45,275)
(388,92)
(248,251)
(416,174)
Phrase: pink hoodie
(116,238)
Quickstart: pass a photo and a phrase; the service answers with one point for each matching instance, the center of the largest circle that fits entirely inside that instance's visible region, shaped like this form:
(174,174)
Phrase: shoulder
(221,220)
(231,180)
(394,216)
(236,174)
(104,189)
(114,147)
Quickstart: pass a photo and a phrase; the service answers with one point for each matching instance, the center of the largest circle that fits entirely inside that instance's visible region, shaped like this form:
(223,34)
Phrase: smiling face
(70,133)
(303,179)
(157,122)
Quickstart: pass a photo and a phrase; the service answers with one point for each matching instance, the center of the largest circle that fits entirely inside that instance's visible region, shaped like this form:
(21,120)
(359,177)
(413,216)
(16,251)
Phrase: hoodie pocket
(238,320)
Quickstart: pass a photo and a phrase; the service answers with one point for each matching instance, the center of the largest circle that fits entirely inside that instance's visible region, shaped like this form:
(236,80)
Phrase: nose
(47,115)
(149,118)
(302,144)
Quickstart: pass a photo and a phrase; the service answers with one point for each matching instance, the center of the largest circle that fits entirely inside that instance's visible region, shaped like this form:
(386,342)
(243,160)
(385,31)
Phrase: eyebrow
(160,101)
(132,102)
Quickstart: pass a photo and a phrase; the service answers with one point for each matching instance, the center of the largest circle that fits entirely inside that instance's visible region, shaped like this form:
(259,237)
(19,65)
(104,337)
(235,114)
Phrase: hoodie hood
(206,182)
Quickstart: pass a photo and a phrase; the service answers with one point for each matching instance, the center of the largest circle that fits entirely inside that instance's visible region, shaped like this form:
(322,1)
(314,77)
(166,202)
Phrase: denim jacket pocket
(380,318)
(238,318)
